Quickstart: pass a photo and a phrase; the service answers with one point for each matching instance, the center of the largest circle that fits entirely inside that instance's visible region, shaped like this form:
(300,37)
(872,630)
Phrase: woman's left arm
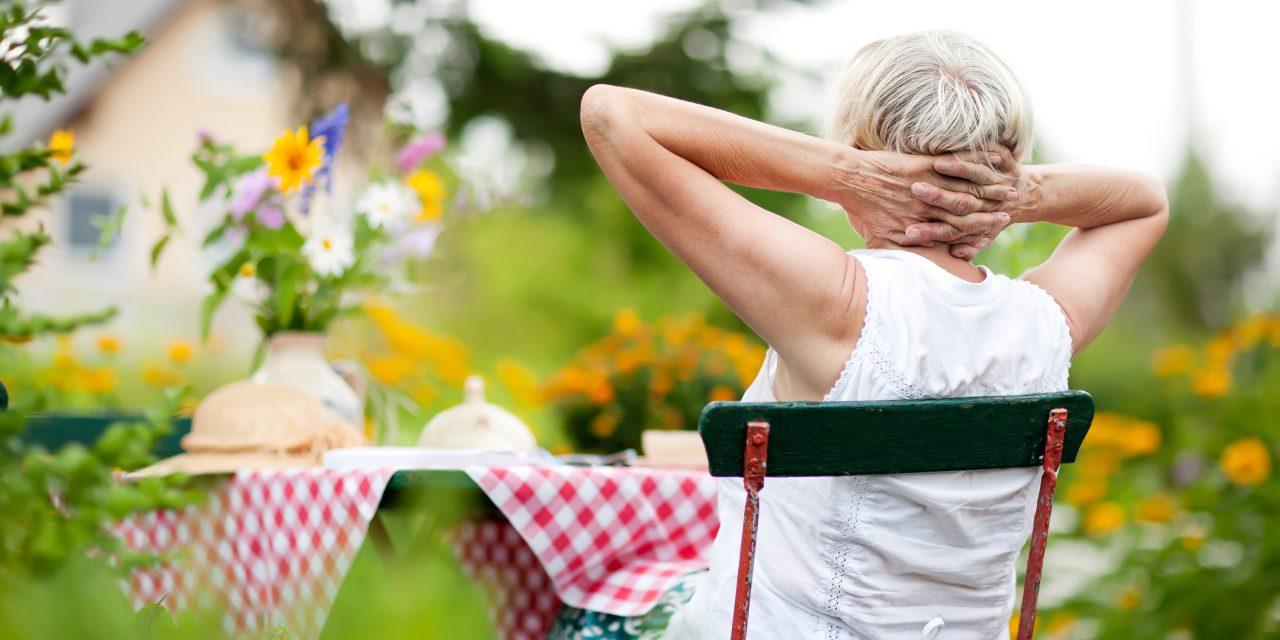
(792,286)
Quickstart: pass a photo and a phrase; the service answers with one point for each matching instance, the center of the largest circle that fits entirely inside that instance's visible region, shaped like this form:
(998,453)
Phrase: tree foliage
(56,506)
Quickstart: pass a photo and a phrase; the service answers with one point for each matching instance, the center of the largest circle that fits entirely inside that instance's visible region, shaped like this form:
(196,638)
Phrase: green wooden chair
(780,439)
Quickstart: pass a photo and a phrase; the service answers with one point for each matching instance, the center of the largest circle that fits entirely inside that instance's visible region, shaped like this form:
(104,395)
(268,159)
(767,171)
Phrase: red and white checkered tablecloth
(611,539)
(269,548)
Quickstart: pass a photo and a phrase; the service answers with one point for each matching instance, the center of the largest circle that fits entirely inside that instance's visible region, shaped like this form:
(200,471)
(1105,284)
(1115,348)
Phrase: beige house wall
(137,134)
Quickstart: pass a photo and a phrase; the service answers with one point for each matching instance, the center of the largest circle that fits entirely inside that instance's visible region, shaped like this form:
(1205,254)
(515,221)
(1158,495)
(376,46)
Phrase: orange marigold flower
(1246,461)
(627,323)
(1173,360)
(1142,439)
(605,424)
(1085,492)
(1159,508)
(722,393)
(1212,382)
(1103,518)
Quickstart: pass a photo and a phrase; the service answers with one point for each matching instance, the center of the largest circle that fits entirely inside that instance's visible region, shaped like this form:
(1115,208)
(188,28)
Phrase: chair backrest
(907,436)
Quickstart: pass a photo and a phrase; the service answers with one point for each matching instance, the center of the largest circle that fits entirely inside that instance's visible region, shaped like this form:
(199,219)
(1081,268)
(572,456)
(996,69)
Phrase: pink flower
(270,216)
(412,154)
(248,191)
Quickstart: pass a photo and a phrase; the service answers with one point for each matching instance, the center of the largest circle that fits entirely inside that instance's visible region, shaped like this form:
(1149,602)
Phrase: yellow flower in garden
(423,392)
(627,323)
(1142,438)
(431,193)
(1192,541)
(61,145)
(1246,461)
(1085,492)
(1253,329)
(519,381)
(160,377)
(1221,348)
(1159,508)
(1061,624)
(1099,464)
(294,158)
(1103,518)
(660,384)
(181,352)
(604,424)
(1129,599)
(98,381)
(601,392)
(1173,360)
(390,370)
(109,344)
(1212,382)
(722,393)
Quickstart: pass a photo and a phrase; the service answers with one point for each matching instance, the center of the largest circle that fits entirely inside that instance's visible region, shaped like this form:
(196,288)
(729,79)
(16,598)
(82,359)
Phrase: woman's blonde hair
(931,92)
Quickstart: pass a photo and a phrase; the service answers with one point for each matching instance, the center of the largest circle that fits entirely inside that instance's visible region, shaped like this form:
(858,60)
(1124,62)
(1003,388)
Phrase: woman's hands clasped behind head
(912,200)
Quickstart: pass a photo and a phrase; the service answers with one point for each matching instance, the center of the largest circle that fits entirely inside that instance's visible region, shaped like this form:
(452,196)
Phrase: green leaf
(208,307)
(158,248)
(109,227)
(166,209)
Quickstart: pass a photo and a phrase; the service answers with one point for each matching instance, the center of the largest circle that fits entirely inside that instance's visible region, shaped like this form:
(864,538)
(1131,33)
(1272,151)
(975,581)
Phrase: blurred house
(136,121)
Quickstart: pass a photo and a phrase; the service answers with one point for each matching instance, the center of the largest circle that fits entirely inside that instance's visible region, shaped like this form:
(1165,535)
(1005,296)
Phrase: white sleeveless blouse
(928,555)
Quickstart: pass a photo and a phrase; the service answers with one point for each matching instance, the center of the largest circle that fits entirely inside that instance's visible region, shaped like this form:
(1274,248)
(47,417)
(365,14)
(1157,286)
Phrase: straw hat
(476,424)
(257,425)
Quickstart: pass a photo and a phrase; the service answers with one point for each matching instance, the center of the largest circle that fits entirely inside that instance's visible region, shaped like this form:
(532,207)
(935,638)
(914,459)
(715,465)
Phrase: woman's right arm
(1118,217)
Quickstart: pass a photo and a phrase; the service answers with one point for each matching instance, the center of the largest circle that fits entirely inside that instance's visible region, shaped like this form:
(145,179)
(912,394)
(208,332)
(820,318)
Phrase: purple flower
(412,154)
(235,236)
(332,126)
(248,191)
(205,137)
(418,242)
(270,216)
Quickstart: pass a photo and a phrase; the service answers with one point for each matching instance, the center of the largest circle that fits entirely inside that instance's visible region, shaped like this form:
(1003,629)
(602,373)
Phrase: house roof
(34,118)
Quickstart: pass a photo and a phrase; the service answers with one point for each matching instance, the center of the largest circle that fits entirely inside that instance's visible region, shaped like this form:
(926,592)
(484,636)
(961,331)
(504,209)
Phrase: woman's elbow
(1152,199)
(599,110)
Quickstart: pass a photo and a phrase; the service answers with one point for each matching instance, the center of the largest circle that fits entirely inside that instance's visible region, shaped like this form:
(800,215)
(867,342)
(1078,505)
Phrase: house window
(87,212)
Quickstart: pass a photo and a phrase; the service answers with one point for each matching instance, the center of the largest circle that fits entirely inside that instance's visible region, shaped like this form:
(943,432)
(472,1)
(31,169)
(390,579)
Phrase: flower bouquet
(300,257)
(296,256)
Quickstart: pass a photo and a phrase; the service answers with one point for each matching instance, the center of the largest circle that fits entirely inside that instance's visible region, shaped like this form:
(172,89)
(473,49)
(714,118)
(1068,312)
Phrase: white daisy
(246,286)
(387,205)
(329,248)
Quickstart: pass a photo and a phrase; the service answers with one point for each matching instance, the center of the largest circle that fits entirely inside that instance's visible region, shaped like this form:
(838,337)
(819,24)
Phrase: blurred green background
(1163,535)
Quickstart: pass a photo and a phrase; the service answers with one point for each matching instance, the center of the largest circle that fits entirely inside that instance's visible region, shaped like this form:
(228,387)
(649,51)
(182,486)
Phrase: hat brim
(205,463)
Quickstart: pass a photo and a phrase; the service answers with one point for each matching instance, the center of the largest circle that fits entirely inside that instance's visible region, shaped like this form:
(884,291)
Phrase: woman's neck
(939,254)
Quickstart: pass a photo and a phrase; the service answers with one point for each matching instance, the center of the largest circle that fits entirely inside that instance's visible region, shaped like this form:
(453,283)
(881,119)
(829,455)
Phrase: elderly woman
(923,157)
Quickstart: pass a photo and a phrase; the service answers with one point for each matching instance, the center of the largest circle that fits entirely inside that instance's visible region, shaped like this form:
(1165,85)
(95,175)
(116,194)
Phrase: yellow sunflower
(294,158)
